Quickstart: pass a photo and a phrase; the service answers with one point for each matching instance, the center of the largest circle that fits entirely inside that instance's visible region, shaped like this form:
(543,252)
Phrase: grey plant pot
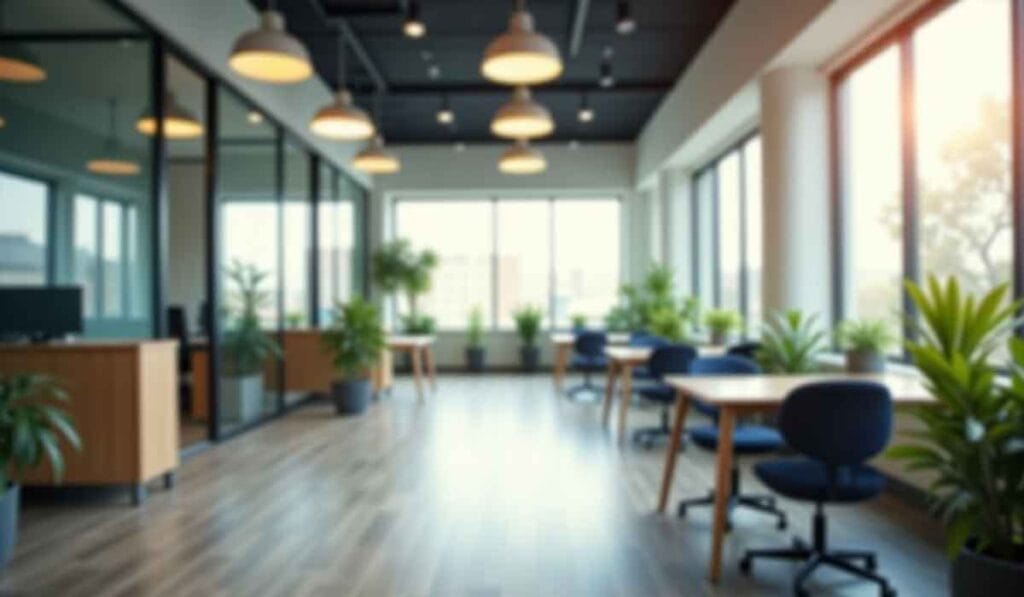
(476,356)
(10,507)
(977,575)
(241,397)
(718,337)
(530,356)
(351,396)
(865,361)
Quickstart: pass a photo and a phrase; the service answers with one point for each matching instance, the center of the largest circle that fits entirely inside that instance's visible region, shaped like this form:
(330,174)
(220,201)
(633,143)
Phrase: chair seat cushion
(747,439)
(657,393)
(589,363)
(805,479)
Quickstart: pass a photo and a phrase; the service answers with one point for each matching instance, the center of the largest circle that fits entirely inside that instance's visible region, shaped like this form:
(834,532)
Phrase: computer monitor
(41,312)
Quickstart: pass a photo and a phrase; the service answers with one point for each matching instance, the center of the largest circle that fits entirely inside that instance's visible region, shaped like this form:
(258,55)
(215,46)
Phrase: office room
(530,297)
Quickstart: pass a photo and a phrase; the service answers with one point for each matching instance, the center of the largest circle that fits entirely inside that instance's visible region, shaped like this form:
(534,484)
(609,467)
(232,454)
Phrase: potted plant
(476,354)
(579,322)
(528,320)
(355,340)
(31,427)
(972,438)
(791,343)
(667,323)
(721,323)
(617,319)
(865,343)
(397,268)
(246,347)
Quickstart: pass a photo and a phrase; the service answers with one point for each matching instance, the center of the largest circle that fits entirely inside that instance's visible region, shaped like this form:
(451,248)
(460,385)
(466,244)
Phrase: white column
(677,238)
(794,133)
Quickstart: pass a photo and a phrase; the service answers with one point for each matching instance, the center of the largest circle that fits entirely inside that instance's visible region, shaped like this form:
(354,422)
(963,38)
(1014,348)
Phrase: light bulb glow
(520,56)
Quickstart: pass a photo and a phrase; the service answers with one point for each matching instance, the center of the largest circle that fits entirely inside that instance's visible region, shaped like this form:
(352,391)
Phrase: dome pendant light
(522,118)
(374,158)
(521,159)
(413,26)
(521,56)
(269,54)
(17,63)
(179,123)
(341,119)
(112,161)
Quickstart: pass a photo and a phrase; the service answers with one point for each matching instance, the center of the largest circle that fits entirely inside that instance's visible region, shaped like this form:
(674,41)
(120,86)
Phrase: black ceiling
(645,63)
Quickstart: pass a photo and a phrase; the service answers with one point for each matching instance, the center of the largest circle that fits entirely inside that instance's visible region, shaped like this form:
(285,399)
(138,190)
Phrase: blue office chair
(673,359)
(645,340)
(747,439)
(837,426)
(747,350)
(588,357)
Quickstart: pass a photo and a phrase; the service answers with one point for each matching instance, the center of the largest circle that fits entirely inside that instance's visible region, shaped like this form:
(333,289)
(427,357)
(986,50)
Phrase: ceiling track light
(413,26)
(624,22)
(521,56)
(342,120)
(179,122)
(375,158)
(585,114)
(269,54)
(522,118)
(521,159)
(445,115)
(112,161)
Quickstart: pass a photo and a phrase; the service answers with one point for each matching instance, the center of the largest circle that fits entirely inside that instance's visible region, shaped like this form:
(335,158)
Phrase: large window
(337,244)
(500,255)
(297,240)
(936,149)
(23,223)
(106,263)
(727,241)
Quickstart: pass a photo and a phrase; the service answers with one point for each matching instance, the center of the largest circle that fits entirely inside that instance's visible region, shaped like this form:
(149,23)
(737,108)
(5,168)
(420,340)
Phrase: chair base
(817,555)
(737,499)
(587,386)
(647,437)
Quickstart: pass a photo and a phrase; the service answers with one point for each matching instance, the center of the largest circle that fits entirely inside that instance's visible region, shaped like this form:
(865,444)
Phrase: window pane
(22,230)
(586,258)
(870,142)
(754,248)
(296,237)
(336,244)
(86,252)
(729,229)
(460,232)
(962,84)
(705,237)
(524,257)
(113,263)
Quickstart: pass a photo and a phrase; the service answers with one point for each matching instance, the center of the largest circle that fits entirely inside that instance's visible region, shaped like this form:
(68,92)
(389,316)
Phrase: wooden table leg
(672,450)
(723,477)
(562,352)
(428,355)
(417,370)
(609,391)
(626,386)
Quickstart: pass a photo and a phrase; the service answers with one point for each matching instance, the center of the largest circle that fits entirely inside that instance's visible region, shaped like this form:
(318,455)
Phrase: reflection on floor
(494,486)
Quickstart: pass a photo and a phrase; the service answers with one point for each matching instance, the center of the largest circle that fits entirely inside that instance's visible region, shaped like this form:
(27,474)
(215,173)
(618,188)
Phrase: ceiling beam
(357,46)
(578,26)
(482,89)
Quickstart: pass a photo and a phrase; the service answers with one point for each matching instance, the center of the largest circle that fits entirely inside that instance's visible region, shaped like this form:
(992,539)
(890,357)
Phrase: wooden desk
(421,353)
(622,360)
(124,402)
(736,395)
(563,343)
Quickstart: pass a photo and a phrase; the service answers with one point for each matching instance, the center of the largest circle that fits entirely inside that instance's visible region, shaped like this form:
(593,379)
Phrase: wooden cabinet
(124,401)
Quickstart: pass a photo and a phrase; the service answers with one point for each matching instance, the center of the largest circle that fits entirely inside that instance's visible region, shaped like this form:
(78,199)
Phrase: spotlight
(624,23)
(414,27)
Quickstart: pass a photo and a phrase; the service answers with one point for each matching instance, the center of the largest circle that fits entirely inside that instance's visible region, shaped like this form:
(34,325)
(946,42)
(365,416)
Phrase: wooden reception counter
(124,401)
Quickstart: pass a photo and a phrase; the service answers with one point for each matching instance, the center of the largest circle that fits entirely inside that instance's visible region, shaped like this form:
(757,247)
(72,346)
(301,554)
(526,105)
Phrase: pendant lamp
(269,54)
(522,118)
(341,119)
(521,56)
(374,158)
(179,123)
(521,159)
(112,161)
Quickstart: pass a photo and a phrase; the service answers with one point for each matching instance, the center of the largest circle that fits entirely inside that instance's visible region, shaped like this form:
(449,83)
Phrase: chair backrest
(724,365)
(674,359)
(590,344)
(837,422)
(645,340)
(744,349)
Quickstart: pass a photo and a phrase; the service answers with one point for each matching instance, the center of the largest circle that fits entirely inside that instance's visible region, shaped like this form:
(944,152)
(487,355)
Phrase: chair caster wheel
(746,565)
(681,511)
(782,524)
(871,563)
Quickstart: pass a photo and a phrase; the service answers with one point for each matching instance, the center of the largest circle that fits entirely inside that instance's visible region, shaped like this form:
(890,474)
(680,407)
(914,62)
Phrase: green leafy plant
(722,321)
(355,338)
(397,268)
(868,335)
(245,345)
(667,323)
(475,330)
(579,321)
(973,438)
(32,426)
(690,311)
(293,320)
(418,325)
(790,343)
(528,321)
(617,319)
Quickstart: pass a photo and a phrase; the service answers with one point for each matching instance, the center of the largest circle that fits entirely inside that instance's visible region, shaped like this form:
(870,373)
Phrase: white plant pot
(241,397)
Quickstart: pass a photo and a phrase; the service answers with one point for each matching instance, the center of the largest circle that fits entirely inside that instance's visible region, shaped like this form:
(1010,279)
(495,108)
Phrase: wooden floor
(494,487)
